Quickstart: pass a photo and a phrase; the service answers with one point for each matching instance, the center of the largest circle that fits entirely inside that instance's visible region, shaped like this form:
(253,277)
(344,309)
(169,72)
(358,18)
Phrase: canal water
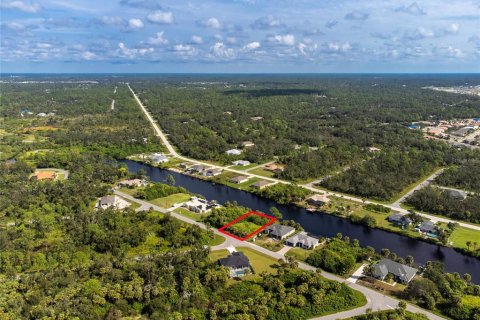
(323,225)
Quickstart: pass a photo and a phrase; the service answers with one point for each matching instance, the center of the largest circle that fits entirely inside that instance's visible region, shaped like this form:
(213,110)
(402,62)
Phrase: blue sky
(240,36)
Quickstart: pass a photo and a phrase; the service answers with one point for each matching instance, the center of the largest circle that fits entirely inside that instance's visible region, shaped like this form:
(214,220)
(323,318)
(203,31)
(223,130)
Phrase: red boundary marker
(272,220)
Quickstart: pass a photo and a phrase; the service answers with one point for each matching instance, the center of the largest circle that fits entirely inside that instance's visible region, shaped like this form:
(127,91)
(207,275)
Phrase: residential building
(199,205)
(239,179)
(238,264)
(303,240)
(212,172)
(402,273)
(274,167)
(198,168)
(278,231)
(112,201)
(241,163)
(247,144)
(400,220)
(261,184)
(318,200)
(428,227)
(132,183)
(45,175)
(158,158)
(233,152)
(457,194)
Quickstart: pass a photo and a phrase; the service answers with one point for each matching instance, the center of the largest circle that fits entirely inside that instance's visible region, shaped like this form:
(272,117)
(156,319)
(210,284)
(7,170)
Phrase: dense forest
(465,176)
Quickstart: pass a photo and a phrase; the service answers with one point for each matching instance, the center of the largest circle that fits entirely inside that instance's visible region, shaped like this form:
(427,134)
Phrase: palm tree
(469,243)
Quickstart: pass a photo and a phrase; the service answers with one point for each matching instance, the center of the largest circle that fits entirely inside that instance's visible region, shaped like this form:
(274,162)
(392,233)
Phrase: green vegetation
(439,201)
(158,190)
(465,176)
(398,314)
(168,201)
(259,261)
(377,208)
(284,193)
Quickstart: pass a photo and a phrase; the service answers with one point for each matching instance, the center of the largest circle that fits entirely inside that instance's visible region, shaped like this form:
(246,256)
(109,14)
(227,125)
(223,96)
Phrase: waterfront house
(278,231)
(199,205)
(158,158)
(132,183)
(428,227)
(198,168)
(238,264)
(242,163)
(239,179)
(303,240)
(261,184)
(233,152)
(399,220)
(212,172)
(318,200)
(112,201)
(401,272)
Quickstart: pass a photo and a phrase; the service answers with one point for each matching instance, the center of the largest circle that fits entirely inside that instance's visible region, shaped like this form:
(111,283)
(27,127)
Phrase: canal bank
(323,224)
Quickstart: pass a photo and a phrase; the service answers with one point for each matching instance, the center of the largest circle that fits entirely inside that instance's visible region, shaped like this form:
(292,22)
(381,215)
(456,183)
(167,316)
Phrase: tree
(385,252)
(276,213)
(409,260)
(170,180)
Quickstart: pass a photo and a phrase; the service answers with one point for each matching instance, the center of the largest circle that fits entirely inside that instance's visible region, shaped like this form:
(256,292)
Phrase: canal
(323,225)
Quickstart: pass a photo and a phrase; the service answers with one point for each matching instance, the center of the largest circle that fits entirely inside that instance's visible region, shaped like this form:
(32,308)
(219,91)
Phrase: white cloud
(285,39)
(221,51)
(24,6)
(184,50)
(161,17)
(158,39)
(197,39)
(108,20)
(88,55)
(135,24)
(455,52)
(252,45)
(413,9)
(339,46)
(267,22)
(356,15)
(125,52)
(213,23)
(454,28)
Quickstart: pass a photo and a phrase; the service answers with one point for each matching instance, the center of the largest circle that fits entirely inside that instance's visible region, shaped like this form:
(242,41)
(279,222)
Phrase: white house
(233,152)
(112,202)
(158,158)
(242,163)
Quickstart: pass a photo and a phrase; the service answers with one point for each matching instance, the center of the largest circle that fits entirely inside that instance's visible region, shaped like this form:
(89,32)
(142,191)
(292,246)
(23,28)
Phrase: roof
(261,183)
(233,151)
(236,260)
(107,200)
(319,198)
(44,175)
(279,230)
(238,179)
(458,194)
(398,217)
(427,226)
(304,239)
(386,266)
(241,163)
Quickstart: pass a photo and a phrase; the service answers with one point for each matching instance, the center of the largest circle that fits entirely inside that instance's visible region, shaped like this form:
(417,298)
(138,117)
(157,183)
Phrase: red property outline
(272,220)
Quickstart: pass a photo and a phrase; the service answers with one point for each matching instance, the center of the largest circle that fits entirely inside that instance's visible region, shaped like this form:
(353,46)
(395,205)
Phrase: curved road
(175,154)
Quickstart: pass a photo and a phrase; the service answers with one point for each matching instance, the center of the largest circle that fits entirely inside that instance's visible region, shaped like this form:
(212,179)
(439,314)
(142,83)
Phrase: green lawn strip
(262,172)
(408,207)
(225,177)
(216,240)
(251,165)
(259,261)
(189,214)
(168,201)
(299,253)
(218,254)
(129,191)
(268,243)
(461,235)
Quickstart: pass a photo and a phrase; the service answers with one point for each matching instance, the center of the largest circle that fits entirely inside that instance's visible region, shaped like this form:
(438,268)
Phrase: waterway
(322,224)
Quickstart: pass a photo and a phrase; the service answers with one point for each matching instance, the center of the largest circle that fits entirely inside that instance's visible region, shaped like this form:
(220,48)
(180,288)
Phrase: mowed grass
(251,165)
(261,172)
(299,253)
(168,201)
(218,254)
(461,235)
(189,214)
(129,191)
(259,261)
(216,240)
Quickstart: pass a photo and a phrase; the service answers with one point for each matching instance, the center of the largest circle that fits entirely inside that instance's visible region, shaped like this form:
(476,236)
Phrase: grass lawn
(168,201)
(268,243)
(128,191)
(461,235)
(216,240)
(226,176)
(262,172)
(299,253)
(189,214)
(259,261)
(251,165)
(215,255)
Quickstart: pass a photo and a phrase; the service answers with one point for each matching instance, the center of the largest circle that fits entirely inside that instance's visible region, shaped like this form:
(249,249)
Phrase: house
(158,158)
(373,149)
(212,172)
(42,114)
(274,167)
(132,183)
(233,152)
(401,272)
(238,264)
(261,184)
(456,194)
(428,227)
(247,144)
(278,231)
(45,175)
(399,220)
(303,240)
(199,205)
(242,163)
(184,165)
(198,168)
(256,118)
(112,202)
(239,179)
(318,200)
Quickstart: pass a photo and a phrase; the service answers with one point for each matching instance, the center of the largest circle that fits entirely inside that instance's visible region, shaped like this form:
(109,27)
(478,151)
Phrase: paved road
(421,185)
(174,153)
(375,300)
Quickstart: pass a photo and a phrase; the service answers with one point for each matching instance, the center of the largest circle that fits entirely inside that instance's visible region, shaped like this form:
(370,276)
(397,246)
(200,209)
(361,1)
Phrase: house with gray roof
(261,184)
(239,179)
(238,264)
(303,240)
(401,272)
(400,220)
(456,194)
(278,231)
(428,227)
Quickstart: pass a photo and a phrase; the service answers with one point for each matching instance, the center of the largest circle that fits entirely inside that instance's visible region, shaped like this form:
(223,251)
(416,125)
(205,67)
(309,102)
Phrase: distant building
(256,118)
(373,149)
(303,240)
(242,163)
(233,152)
(238,264)
(428,228)
(399,220)
(198,168)
(158,158)
(239,179)
(278,231)
(112,202)
(401,272)
(318,200)
(247,144)
(132,183)
(45,175)
(457,194)
(261,184)
(199,205)
(212,172)
(462,132)
(274,167)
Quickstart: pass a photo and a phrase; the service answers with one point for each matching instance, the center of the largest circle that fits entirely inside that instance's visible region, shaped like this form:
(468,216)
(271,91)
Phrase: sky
(239,36)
